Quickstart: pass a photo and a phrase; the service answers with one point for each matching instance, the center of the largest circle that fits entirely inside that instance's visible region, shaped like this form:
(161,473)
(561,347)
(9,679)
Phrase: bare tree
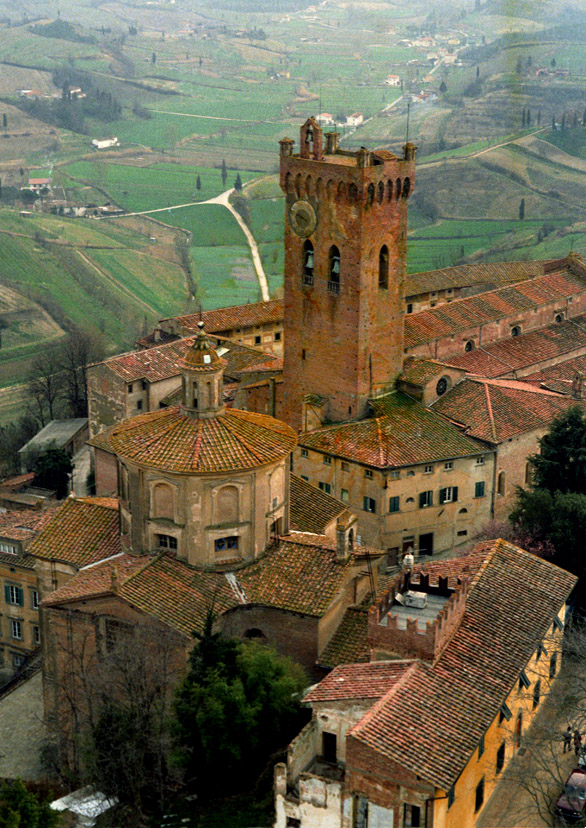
(45,386)
(112,691)
(76,353)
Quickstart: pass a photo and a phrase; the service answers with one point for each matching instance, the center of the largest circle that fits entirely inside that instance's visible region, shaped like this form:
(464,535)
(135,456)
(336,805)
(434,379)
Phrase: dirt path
(116,283)
(224,200)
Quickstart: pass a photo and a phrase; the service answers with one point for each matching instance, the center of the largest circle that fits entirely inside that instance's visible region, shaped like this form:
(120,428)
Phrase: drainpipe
(493,495)
(272,396)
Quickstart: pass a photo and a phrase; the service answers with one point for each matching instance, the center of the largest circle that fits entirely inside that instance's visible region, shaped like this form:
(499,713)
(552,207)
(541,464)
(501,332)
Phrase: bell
(309,134)
(309,259)
(336,265)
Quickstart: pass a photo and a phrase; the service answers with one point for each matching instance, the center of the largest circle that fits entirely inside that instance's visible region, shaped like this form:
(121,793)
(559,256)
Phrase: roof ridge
(370,713)
(490,413)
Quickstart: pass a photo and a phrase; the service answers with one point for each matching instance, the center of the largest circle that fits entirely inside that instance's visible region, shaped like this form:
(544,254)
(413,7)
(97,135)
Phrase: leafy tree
(19,808)
(224,172)
(237,705)
(52,469)
(554,509)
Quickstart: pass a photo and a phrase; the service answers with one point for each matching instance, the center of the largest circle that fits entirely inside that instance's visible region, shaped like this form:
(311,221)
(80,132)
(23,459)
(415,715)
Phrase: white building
(105,143)
(355,119)
(392,80)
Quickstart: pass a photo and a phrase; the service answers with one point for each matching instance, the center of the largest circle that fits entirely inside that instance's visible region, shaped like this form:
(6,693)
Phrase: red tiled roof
(491,275)
(495,410)
(312,510)
(79,533)
(162,362)
(522,351)
(237,316)
(417,371)
(170,440)
(359,681)
(512,600)
(445,320)
(403,434)
(349,643)
(291,576)
(559,377)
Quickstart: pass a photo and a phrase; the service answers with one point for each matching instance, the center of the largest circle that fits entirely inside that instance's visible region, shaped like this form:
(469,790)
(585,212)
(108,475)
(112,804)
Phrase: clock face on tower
(302,218)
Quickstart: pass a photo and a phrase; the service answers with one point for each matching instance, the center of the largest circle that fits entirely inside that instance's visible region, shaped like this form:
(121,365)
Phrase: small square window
(327,460)
(144,385)
(393,504)
(395,474)
(224,544)
(480,461)
(304,453)
(428,469)
(345,467)
(479,489)
(409,307)
(16,629)
(139,405)
(257,340)
(167,541)
(368,473)
(17,661)
(129,388)
(449,465)
(325,487)
(344,495)
(278,336)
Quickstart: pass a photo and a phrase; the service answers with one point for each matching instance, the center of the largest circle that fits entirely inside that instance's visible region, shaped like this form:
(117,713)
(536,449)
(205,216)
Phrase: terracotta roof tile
(349,644)
(291,576)
(359,681)
(237,316)
(295,576)
(417,371)
(170,440)
(512,600)
(495,410)
(522,351)
(79,533)
(445,320)
(405,433)
(558,377)
(312,510)
(491,275)
(162,362)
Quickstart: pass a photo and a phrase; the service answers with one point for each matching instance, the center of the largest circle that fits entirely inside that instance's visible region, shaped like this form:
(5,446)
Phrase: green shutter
(442,496)
(20,597)
(421,500)
(6,593)
(455,497)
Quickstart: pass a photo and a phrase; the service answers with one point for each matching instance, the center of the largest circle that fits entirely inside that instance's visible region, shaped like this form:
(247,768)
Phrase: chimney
(114,579)
(578,386)
(345,535)
(332,142)
(286,146)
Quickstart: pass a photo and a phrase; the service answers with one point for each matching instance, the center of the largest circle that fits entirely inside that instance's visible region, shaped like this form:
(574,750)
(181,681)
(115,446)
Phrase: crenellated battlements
(396,629)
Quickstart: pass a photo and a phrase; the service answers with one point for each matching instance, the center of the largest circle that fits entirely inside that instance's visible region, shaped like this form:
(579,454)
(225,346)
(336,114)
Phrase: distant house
(105,143)
(325,119)
(392,80)
(355,119)
(68,435)
(30,94)
(38,184)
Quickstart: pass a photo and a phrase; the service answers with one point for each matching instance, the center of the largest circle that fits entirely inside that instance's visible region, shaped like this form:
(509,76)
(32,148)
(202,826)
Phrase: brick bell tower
(345,252)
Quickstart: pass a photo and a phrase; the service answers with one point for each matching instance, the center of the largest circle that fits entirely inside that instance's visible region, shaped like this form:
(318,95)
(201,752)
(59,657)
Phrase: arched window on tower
(383,267)
(370,194)
(406,188)
(308,263)
(381,192)
(334,270)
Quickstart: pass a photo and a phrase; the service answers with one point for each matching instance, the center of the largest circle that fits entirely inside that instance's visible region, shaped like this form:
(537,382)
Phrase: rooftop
(402,433)
(359,681)
(237,316)
(162,362)
(472,311)
(522,351)
(169,440)
(494,410)
(312,510)
(80,532)
(57,432)
(291,576)
(489,276)
(512,600)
